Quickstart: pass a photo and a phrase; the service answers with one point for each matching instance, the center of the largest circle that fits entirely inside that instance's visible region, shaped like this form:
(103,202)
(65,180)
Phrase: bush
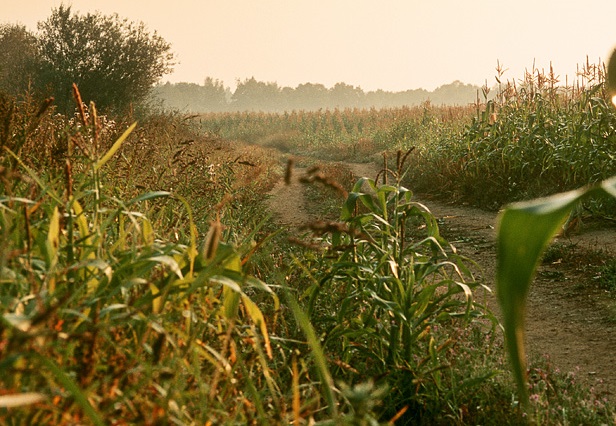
(111,59)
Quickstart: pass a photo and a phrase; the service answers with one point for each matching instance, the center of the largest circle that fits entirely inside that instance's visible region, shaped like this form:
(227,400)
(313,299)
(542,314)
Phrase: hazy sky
(387,44)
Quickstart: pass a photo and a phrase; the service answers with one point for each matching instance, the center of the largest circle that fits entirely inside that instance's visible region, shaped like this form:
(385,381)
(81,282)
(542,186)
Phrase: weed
(391,297)
(606,276)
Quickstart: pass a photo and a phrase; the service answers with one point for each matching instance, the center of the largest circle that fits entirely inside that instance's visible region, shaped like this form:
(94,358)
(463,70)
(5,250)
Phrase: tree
(113,62)
(343,95)
(210,97)
(455,93)
(18,59)
(309,96)
(251,94)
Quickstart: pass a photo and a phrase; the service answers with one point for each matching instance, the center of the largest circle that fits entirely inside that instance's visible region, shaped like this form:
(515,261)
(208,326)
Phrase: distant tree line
(118,64)
(253,95)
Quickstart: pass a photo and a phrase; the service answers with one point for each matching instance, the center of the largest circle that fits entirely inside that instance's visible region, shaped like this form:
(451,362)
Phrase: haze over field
(394,46)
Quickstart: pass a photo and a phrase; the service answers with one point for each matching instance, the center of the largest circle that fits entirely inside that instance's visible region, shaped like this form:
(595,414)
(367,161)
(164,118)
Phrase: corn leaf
(231,301)
(327,382)
(191,251)
(148,196)
(170,262)
(48,190)
(524,232)
(82,224)
(147,232)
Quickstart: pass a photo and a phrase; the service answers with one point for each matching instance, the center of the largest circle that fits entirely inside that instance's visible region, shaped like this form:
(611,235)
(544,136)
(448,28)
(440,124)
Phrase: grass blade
(524,232)
(317,351)
(72,387)
(101,162)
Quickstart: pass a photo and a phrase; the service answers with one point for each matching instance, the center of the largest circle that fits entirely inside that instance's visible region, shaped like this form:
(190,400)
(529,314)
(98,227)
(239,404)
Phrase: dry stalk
(313,176)
(289,172)
(212,239)
(82,113)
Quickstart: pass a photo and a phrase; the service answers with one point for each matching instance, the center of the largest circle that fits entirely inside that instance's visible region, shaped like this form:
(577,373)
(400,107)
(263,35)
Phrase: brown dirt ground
(570,323)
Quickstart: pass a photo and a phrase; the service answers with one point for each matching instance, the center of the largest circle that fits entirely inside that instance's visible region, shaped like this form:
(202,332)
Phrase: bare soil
(569,320)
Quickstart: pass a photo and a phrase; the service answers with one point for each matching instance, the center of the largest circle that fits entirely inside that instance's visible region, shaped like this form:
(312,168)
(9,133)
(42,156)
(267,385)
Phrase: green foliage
(393,299)
(524,231)
(339,134)
(114,309)
(111,59)
(606,276)
(254,95)
(209,97)
(251,94)
(102,319)
(533,139)
(19,62)
(560,398)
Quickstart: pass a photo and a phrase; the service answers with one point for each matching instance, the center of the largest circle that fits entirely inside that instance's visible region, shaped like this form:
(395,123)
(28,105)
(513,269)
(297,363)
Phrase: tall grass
(105,319)
(391,300)
(534,138)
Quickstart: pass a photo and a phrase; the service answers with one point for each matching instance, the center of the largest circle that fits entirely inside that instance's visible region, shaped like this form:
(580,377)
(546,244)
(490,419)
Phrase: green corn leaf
(101,162)
(348,208)
(524,232)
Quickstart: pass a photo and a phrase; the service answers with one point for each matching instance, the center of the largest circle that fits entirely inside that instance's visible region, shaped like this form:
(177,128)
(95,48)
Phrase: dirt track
(565,321)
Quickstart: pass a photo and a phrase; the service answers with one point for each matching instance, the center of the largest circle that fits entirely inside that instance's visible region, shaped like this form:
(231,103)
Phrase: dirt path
(570,324)
(287,201)
(565,322)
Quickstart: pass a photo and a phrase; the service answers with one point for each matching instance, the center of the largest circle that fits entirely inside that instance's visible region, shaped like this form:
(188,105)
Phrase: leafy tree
(343,95)
(18,59)
(310,96)
(251,94)
(192,97)
(114,62)
(455,92)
